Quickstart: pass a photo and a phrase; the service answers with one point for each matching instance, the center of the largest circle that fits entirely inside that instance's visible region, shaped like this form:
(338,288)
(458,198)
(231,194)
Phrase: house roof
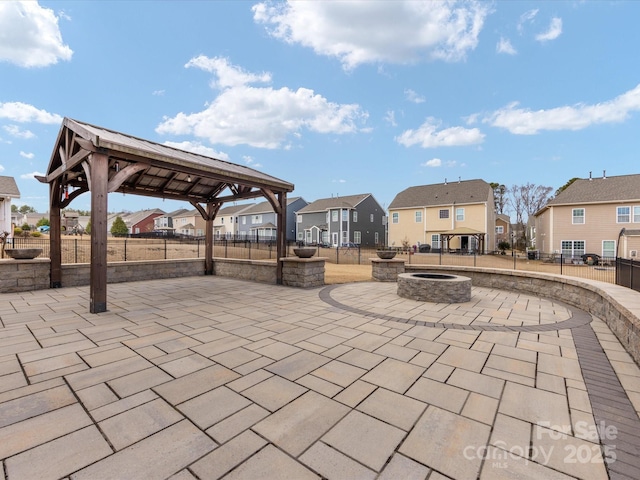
(623,188)
(461,192)
(323,204)
(177,212)
(233,209)
(137,217)
(265,207)
(8,187)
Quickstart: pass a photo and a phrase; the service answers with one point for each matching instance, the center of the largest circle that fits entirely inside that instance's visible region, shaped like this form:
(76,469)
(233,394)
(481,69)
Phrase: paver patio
(211,377)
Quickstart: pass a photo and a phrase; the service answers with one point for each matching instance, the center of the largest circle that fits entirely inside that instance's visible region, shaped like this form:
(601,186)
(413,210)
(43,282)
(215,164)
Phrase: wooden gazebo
(445,237)
(87,158)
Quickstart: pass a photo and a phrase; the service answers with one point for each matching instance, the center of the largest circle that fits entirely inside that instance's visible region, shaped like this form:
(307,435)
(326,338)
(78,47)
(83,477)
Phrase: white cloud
(527,17)
(553,32)
(23,112)
(1,168)
(30,35)
(17,132)
(262,117)
(428,136)
(32,175)
(158,93)
(413,96)
(197,147)
(504,46)
(358,32)
(390,118)
(251,162)
(27,155)
(523,121)
(339,181)
(434,162)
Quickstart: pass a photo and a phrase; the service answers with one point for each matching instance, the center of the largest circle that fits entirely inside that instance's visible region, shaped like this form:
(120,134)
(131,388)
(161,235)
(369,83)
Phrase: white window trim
(583,217)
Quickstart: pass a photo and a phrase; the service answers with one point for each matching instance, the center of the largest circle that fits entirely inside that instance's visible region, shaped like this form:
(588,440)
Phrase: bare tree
(526,200)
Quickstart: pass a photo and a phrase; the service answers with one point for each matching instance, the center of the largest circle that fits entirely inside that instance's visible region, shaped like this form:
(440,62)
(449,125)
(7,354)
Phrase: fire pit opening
(434,287)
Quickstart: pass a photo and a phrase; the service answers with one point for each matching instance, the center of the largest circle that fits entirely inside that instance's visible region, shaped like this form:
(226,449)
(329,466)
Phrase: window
(459,214)
(578,215)
(244,220)
(418,216)
(300,235)
(395,217)
(608,248)
(222,220)
(345,215)
(499,229)
(444,213)
(573,248)
(345,237)
(256,219)
(636,214)
(371,218)
(435,240)
(334,216)
(299,218)
(357,237)
(376,238)
(355,216)
(624,214)
(327,217)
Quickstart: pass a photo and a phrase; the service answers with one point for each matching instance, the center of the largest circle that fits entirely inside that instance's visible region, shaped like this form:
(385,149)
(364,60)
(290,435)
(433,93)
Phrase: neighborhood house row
(593,215)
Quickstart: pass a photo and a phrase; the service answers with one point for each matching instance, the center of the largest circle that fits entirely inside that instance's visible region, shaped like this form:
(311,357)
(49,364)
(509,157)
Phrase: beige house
(458,216)
(589,217)
(189,223)
(225,225)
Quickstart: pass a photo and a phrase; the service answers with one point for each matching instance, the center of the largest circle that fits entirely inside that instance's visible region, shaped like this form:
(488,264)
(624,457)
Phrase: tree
(88,229)
(26,209)
(499,197)
(43,221)
(119,228)
(526,200)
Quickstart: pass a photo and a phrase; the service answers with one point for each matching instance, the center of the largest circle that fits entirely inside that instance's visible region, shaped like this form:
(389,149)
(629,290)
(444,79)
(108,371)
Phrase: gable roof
(461,192)
(137,217)
(324,204)
(265,207)
(623,188)
(8,187)
(233,209)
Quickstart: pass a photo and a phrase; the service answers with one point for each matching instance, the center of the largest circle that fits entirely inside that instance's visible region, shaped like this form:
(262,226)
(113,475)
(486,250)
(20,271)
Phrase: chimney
(590,176)
(604,174)
(458,179)
(445,181)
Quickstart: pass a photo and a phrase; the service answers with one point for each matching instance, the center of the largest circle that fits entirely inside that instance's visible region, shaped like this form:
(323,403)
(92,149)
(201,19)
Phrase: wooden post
(208,238)
(55,254)
(281,239)
(99,165)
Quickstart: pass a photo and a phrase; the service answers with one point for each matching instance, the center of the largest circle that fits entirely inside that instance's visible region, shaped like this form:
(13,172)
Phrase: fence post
(337,255)
(75,241)
(198,249)
(561,262)
(125,249)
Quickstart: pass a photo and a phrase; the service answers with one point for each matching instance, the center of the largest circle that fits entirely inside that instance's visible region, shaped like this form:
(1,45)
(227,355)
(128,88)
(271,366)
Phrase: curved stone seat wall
(618,307)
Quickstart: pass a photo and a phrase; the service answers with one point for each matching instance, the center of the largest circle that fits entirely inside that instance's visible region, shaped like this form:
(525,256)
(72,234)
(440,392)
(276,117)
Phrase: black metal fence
(78,250)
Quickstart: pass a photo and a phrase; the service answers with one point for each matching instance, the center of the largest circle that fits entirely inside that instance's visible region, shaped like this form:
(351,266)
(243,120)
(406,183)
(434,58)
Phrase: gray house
(259,222)
(335,221)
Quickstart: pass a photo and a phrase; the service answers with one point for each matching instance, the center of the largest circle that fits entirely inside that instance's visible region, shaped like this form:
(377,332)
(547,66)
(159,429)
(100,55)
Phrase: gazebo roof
(142,167)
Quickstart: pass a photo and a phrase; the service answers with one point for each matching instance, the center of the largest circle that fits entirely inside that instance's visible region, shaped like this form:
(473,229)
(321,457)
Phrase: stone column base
(303,272)
(386,270)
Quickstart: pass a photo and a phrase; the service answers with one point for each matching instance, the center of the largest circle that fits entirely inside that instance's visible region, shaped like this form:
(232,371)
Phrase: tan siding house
(589,216)
(461,215)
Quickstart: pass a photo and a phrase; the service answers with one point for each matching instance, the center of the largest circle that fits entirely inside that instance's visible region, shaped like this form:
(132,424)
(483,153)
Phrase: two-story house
(335,221)
(588,217)
(190,223)
(142,221)
(226,223)
(164,223)
(503,229)
(259,222)
(456,216)
(8,191)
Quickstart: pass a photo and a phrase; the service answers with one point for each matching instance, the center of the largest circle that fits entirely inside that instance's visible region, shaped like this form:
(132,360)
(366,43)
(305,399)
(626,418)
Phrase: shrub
(36,234)
(17,232)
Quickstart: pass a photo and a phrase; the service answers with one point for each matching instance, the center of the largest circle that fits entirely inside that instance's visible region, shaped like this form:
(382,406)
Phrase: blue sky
(339,98)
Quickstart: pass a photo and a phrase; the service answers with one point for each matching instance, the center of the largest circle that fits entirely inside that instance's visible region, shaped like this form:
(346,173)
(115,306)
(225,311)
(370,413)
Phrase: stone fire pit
(434,287)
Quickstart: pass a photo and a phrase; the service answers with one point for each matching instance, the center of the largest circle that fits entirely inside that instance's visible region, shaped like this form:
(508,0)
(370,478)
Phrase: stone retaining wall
(386,270)
(618,307)
(24,275)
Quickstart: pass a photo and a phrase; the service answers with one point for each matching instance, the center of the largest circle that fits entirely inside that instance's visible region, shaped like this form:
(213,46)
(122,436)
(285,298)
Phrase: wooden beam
(68,164)
(120,177)
(99,167)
